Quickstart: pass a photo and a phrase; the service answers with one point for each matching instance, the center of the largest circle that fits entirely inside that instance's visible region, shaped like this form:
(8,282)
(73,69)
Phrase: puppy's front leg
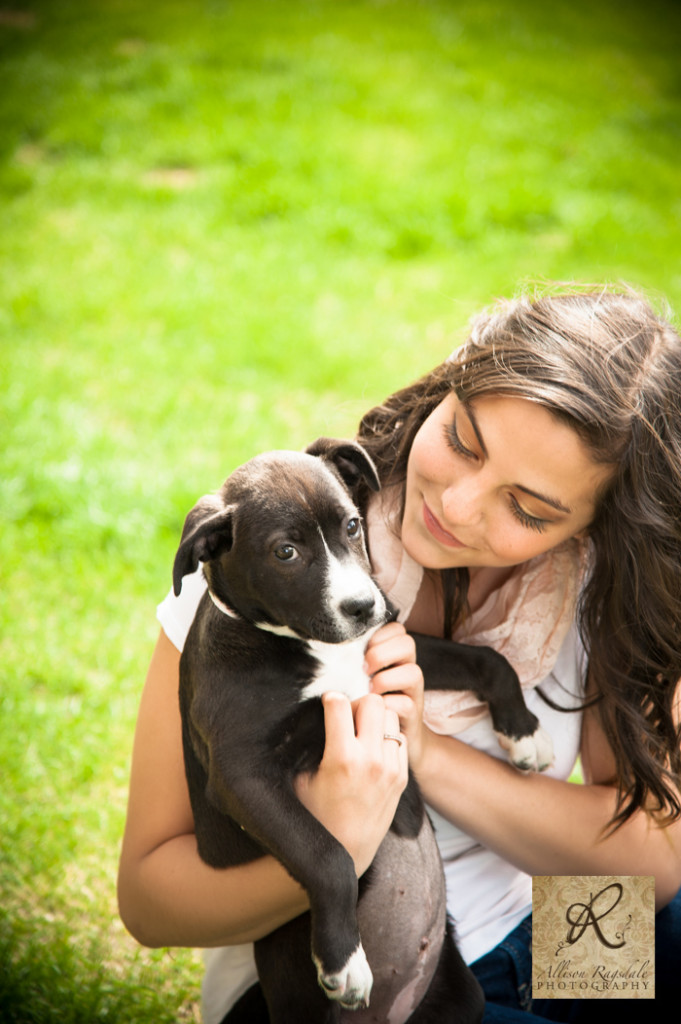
(268,809)
(447,665)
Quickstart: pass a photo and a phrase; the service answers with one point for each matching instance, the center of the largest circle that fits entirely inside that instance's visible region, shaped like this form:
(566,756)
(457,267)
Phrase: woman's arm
(167,894)
(542,825)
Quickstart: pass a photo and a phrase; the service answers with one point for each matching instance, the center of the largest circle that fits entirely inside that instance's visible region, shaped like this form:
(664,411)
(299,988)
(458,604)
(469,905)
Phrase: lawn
(231,226)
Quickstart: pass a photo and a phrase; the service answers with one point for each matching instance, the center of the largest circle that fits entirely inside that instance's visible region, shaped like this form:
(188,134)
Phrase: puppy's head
(283,543)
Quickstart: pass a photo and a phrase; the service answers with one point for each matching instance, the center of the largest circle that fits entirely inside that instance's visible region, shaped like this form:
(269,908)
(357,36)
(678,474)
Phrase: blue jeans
(505,974)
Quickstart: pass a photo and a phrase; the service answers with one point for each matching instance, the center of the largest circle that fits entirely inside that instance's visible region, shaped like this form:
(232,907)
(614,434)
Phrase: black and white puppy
(289,608)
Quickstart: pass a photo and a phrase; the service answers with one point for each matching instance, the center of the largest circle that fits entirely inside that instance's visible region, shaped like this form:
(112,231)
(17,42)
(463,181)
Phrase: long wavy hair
(607,365)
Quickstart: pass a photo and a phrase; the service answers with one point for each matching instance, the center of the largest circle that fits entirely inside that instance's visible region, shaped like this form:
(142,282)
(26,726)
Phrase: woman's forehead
(540,453)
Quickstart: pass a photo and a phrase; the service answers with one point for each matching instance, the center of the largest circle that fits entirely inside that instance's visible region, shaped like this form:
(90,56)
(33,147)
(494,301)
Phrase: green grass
(231,226)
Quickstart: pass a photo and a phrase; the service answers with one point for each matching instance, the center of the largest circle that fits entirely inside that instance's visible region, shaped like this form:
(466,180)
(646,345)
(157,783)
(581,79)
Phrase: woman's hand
(391,662)
(357,787)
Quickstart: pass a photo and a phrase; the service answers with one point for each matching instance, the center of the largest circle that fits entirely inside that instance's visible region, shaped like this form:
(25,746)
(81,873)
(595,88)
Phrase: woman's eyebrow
(476,429)
(553,502)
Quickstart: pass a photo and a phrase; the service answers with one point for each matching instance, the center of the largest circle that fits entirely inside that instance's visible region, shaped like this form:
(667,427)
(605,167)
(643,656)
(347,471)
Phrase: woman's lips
(440,534)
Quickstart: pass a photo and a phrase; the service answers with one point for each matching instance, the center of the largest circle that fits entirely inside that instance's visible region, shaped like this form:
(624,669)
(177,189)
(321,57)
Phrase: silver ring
(389,736)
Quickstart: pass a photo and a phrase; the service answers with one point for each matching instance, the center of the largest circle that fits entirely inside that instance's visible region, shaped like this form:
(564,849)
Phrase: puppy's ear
(350,459)
(208,530)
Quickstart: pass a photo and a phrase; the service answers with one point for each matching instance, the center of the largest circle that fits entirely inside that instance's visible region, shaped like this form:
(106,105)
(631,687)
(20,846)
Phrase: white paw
(529,753)
(351,985)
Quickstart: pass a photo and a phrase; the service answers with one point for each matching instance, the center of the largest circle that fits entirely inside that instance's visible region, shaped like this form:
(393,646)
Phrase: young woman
(531,499)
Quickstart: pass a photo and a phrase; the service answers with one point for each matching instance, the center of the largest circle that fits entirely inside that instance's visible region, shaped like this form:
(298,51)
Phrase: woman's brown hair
(607,365)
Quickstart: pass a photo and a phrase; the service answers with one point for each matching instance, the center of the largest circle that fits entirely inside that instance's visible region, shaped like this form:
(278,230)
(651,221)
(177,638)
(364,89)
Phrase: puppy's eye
(354,527)
(285,553)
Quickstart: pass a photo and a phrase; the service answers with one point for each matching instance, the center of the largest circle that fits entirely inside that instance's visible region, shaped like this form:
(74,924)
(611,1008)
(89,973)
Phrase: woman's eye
(525,519)
(354,528)
(285,553)
(454,442)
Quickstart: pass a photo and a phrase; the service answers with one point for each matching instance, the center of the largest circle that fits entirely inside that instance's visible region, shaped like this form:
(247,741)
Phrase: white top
(530,619)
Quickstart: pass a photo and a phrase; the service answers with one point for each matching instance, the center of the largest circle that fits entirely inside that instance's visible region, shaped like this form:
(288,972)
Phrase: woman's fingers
(389,646)
(361,776)
(391,662)
(378,727)
(373,718)
(355,733)
(339,724)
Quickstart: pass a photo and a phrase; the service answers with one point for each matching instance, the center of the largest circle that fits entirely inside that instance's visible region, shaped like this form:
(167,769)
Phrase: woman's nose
(462,502)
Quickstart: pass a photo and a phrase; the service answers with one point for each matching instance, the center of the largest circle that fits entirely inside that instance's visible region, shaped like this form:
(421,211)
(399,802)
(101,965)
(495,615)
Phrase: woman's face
(495,482)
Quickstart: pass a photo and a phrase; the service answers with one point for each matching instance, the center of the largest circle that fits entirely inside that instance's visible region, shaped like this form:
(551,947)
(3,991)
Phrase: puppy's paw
(351,985)
(529,753)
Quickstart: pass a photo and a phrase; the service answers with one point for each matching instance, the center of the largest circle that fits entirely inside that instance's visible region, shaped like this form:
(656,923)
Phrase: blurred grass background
(231,226)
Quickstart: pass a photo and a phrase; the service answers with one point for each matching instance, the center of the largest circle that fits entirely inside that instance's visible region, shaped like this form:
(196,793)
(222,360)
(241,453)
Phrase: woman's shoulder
(176,613)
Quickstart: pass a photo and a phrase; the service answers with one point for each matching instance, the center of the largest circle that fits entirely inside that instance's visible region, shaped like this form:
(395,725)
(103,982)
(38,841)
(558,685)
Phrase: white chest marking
(340,669)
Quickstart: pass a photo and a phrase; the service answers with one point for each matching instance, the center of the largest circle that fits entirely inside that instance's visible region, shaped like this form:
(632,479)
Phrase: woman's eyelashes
(459,448)
(523,517)
(454,442)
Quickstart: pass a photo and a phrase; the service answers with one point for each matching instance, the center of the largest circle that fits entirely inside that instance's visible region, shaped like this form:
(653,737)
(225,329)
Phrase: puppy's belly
(402,924)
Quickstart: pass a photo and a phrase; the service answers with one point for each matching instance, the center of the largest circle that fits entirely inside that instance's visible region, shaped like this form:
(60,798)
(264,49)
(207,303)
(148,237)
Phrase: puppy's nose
(359,608)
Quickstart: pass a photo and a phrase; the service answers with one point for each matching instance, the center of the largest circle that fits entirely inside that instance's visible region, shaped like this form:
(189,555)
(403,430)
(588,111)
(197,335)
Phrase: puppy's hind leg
(289,980)
(272,814)
(250,1009)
